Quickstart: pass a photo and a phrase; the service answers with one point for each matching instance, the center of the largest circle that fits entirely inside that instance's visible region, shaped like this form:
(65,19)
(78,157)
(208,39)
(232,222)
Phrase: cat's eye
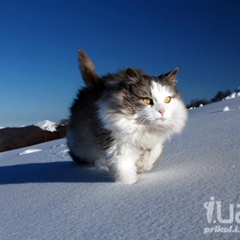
(167,99)
(148,101)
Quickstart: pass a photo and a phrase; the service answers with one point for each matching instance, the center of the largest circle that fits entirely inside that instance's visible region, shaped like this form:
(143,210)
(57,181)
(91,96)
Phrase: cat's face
(155,101)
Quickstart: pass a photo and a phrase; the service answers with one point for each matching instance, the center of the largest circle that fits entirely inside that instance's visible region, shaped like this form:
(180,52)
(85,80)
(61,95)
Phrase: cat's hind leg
(80,161)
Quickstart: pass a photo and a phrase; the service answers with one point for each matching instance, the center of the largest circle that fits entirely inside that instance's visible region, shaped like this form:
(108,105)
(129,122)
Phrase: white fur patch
(135,135)
(175,114)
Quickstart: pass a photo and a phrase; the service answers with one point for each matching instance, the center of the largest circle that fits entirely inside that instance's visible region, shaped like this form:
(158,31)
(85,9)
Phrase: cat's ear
(87,69)
(132,75)
(171,76)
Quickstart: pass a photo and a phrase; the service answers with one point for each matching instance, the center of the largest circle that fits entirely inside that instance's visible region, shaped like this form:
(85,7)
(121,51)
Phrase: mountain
(47,125)
(192,193)
(19,137)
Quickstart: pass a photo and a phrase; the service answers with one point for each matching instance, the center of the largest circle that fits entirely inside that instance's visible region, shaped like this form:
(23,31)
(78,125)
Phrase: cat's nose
(162,111)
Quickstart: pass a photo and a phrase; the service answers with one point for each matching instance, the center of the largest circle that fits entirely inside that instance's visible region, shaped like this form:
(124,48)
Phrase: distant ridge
(18,137)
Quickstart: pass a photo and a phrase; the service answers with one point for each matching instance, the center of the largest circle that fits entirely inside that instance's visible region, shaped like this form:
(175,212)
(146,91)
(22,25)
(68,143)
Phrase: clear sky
(39,40)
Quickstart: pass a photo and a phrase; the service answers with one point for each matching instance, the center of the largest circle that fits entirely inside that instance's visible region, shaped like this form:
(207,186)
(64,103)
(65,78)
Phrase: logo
(222,218)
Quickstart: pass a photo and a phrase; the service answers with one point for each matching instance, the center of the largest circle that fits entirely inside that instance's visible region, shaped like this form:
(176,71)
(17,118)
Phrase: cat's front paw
(128,179)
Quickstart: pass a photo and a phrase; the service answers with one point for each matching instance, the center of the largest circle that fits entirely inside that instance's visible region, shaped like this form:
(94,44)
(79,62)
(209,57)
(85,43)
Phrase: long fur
(87,69)
(110,125)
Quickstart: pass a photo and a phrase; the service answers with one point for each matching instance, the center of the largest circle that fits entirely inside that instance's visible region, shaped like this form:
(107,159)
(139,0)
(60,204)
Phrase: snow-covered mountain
(47,125)
(193,193)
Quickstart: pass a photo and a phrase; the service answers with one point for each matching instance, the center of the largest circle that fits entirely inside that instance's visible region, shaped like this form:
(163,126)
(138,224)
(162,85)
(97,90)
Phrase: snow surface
(44,195)
(47,125)
(29,151)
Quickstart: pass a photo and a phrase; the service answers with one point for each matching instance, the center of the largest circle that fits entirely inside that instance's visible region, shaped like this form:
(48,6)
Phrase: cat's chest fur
(125,130)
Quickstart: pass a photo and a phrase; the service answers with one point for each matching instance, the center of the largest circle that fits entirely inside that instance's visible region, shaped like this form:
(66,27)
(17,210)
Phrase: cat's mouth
(161,120)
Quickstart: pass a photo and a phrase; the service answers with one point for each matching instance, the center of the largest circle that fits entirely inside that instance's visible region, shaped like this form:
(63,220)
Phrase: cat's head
(154,102)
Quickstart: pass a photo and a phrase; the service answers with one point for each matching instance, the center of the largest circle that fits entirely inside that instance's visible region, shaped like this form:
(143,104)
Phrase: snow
(29,151)
(47,125)
(233,95)
(226,109)
(45,196)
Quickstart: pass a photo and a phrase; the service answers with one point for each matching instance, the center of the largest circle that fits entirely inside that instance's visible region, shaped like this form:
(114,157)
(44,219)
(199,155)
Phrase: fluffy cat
(120,121)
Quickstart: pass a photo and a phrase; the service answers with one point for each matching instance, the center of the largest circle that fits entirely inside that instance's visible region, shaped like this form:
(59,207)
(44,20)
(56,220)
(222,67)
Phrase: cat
(87,69)
(120,121)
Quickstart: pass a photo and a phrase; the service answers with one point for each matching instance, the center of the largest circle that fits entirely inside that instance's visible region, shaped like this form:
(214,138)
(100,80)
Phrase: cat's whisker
(142,121)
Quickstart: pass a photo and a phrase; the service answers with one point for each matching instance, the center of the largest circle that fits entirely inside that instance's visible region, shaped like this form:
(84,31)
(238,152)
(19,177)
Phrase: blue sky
(39,40)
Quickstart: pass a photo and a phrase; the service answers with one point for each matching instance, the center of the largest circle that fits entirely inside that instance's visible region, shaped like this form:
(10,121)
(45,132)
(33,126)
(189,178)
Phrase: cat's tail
(87,69)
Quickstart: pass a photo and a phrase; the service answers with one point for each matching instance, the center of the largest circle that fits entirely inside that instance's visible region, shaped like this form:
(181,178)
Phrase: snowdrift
(193,193)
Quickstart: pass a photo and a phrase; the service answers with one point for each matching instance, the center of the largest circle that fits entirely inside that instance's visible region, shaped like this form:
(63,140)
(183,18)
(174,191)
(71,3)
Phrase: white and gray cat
(120,121)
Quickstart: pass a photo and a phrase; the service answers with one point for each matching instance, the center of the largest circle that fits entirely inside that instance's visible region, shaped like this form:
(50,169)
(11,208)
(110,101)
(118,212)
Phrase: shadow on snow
(50,172)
